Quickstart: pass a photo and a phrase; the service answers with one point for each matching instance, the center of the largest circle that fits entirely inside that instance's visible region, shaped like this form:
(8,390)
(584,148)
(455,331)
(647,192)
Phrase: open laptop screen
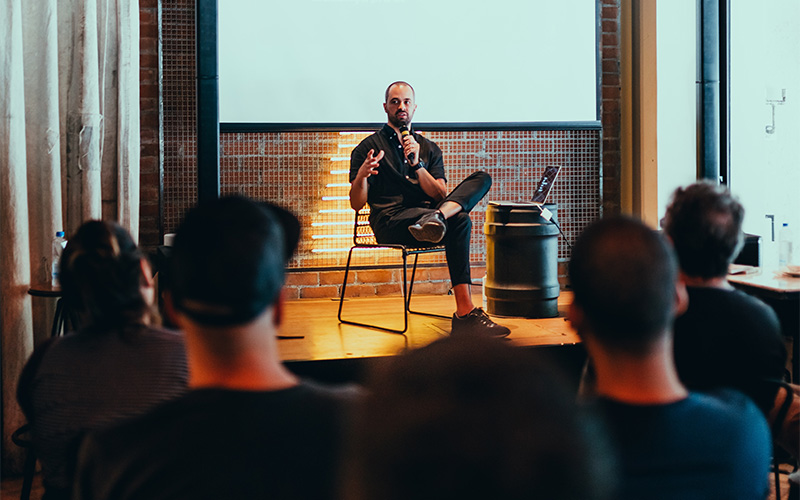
(545,184)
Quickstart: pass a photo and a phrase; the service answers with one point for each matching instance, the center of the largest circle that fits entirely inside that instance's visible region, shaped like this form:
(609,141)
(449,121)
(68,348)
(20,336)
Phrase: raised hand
(371,163)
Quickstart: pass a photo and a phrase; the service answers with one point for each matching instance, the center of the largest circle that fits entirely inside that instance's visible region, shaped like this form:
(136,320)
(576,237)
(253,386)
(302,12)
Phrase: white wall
(677,130)
(765,168)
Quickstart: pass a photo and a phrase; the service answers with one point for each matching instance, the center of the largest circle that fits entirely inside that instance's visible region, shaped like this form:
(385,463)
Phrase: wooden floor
(312,332)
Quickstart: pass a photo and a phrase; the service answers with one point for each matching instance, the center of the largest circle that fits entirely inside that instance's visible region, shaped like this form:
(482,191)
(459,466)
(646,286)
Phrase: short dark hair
(704,222)
(475,418)
(101,276)
(228,260)
(623,276)
(386,94)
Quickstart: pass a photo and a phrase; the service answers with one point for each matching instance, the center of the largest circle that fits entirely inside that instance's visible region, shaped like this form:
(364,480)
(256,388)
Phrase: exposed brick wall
(250,163)
(150,125)
(308,173)
(370,282)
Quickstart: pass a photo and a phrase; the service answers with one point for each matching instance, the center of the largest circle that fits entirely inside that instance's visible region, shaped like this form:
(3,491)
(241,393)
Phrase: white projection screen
(326,63)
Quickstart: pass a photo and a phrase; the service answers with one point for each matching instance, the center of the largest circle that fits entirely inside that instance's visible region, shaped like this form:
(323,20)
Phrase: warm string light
(336,199)
(336,211)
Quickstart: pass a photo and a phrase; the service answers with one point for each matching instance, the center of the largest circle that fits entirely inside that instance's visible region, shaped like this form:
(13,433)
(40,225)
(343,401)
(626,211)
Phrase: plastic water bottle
(58,247)
(784,246)
(483,292)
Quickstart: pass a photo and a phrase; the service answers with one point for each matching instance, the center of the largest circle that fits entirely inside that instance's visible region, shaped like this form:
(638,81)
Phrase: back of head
(101,276)
(228,260)
(704,222)
(474,418)
(623,276)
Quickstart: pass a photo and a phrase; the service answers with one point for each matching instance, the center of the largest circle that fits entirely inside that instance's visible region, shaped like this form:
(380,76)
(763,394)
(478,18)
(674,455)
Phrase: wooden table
(782,293)
(59,318)
(767,282)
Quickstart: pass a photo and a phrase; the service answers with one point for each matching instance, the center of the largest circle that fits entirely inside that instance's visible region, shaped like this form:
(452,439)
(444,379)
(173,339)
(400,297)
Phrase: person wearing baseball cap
(248,428)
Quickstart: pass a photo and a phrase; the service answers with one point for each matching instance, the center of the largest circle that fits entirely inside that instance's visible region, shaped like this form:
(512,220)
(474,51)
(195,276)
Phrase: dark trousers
(459,227)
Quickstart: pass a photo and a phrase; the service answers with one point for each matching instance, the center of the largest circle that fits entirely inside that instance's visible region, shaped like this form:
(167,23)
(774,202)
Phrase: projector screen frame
(204,45)
(429,127)
(209,127)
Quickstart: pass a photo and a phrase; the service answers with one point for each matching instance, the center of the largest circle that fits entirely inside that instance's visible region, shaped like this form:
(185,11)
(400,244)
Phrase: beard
(397,122)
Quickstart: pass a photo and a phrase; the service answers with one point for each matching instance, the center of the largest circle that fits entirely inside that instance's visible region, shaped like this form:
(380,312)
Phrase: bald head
(398,83)
(623,275)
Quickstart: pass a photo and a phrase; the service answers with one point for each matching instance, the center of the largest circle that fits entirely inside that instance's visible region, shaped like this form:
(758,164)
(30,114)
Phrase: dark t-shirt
(395,187)
(727,338)
(215,443)
(89,380)
(704,446)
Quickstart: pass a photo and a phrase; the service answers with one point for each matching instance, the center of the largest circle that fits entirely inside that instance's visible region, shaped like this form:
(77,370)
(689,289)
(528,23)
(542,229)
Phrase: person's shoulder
(163,334)
(731,423)
(369,141)
(133,432)
(731,305)
(727,405)
(750,303)
(731,298)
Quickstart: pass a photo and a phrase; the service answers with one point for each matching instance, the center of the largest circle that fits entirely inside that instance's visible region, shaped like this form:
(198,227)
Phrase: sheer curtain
(69,152)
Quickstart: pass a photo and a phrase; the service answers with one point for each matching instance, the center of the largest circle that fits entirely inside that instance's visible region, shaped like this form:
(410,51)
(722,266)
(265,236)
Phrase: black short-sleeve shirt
(395,187)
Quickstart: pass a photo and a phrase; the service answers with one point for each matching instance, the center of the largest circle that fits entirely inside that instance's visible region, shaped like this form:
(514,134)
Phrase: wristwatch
(420,165)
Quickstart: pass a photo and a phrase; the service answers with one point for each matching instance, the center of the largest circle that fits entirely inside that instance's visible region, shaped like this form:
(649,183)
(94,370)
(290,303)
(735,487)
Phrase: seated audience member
(672,443)
(248,428)
(471,417)
(726,338)
(119,364)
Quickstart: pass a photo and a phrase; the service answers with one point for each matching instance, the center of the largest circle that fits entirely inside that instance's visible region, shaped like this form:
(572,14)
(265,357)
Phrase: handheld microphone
(404,132)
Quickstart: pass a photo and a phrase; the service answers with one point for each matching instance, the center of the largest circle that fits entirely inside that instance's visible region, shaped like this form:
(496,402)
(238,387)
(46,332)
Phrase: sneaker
(430,227)
(477,322)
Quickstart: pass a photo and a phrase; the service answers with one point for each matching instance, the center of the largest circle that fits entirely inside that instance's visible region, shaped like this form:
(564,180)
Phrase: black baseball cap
(229,258)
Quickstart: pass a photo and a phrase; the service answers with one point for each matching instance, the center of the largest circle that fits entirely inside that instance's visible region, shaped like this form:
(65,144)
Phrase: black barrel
(521,260)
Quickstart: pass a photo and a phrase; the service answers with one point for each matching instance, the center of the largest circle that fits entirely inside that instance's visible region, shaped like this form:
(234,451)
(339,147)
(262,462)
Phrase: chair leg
(368,325)
(344,283)
(411,284)
(21,437)
(58,319)
(29,469)
(411,288)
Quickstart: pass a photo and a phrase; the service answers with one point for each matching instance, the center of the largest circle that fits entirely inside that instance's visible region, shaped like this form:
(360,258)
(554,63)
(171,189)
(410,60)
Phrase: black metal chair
(22,438)
(778,456)
(363,237)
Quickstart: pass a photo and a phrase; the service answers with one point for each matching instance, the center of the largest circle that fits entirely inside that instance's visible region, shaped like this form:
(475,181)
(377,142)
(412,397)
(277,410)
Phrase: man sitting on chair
(401,174)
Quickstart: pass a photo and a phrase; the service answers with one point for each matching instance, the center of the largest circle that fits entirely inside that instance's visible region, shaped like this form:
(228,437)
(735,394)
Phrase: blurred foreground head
(623,275)
(475,418)
(228,260)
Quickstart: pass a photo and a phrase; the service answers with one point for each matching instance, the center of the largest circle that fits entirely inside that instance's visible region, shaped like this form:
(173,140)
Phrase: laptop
(545,184)
(540,194)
